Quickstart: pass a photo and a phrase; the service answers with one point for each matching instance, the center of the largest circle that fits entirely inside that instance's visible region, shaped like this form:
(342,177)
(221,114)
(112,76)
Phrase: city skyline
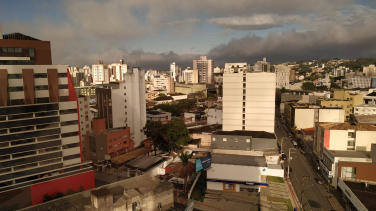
(154,34)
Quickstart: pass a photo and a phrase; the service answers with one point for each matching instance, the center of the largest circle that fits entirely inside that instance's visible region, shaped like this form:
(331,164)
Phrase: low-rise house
(158,115)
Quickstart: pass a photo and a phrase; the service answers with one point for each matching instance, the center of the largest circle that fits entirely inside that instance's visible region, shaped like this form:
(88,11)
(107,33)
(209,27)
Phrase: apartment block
(370,70)
(365,109)
(84,118)
(283,76)
(103,74)
(40,146)
(205,69)
(162,82)
(20,49)
(248,100)
(158,115)
(262,66)
(190,76)
(343,136)
(123,104)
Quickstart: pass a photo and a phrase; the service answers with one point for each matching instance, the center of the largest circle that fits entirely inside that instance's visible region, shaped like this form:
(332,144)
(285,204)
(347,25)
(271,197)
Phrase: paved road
(315,195)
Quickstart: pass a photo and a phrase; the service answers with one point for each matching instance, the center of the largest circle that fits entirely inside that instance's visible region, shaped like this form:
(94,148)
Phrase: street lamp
(288,167)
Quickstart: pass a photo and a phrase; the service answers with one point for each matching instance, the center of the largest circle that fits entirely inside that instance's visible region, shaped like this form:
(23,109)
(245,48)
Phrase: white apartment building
(103,74)
(283,76)
(359,82)
(343,136)
(190,76)
(261,66)
(235,67)
(86,70)
(214,116)
(218,70)
(123,104)
(365,109)
(205,69)
(162,82)
(39,128)
(248,100)
(175,72)
(370,71)
(84,118)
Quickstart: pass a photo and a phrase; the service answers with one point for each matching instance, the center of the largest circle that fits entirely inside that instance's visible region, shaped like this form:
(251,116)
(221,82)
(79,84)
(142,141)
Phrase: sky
(153,33)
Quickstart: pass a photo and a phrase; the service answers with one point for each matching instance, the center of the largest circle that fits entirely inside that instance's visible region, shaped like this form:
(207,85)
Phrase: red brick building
(112,142)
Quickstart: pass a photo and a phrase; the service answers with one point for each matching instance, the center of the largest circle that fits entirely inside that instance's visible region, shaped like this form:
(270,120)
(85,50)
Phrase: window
(243,128)
(124,142)
(40,75)
(110,140)
(63,86)
(229,186)
(136,206)
(31,52)
(11,50)
(16,89)
(248,140)
(224,139)
(62,75)
(115,139)
(348,172)
(124,136)
(44,87)
(110,147)
(14,76)
(243,116)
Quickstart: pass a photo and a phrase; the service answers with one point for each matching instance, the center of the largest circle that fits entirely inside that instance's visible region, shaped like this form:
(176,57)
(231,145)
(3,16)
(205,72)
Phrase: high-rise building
(261,66)
(103,74)
(190,76)
(20,49)
(205,69)
(40,146)
(248,100)
(283,76)
(123,103)
(162,82)
(84,117)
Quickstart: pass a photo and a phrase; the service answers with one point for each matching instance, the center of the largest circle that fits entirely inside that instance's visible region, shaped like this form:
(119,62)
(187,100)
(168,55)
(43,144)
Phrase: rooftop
(372,94)
(18,36)
(176,94)
(253,134)
(241,160)
(156,112)
(145,163)
(181,171)
(365,195)
(121,190)
(347,126)
(349,153)
(205,129)
(309,131)
(163,98)
(130,155)
(366,119)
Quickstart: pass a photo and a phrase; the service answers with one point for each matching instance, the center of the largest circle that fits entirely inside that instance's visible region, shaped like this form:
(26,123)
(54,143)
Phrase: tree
(161,95)
(184,157)
(154,131)
(220,90)
(293,129)
(334,86)
(308,86)
(199,95)
(176,134)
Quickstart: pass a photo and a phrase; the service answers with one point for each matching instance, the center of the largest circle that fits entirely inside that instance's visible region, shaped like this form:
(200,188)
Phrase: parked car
(283,156)
(289,170)
(319,181)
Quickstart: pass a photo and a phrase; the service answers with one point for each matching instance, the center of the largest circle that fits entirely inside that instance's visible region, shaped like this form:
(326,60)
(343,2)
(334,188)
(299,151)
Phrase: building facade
(283,76)
(365,109)
(123,104)
(214,116)
(190,76)
(205,69)
(40,142)
(370,71)
(248,101)
(262,66)
(103,74)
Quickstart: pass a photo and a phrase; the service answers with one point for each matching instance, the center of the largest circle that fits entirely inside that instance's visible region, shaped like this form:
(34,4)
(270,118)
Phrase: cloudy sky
(157,32)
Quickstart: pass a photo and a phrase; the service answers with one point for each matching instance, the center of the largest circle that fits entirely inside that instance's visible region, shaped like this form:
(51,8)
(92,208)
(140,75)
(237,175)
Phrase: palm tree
(184,157)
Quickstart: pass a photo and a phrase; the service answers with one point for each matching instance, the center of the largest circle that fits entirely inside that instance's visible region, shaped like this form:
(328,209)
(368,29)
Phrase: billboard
(203,163)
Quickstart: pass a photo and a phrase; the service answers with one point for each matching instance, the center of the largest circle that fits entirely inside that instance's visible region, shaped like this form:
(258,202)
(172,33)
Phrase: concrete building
(343,136)
(190,76)
(178,96)
(248,100)
(123,104)
(158,115)
(261,66)
(365,109)
(304,96)
(88,91)
(205,69)
(84,118)
(305,116)
(369,71)
(240,171)
(292,75)
(214,116)
(358,195)
(103,74)
(218,70)
(204,133)
(162,82)
(283,76)
(243,140)
(235,67)
(136,193)
(344,100)
(192,88)
(164,99)
(359,82)
(111,142)
(175,72)
(323,81)
(370,98)
(218,79)
(20,49)
(40,141)
(331,159)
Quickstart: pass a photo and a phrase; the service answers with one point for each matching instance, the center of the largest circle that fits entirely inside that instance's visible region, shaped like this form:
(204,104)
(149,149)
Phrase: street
(315,196)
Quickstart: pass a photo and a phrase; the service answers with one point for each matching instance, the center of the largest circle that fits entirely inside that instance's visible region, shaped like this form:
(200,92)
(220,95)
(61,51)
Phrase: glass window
(40,75)
(63,86)
(62,75)
(31,52)
(14,76)
(110,147)
(124,142)
(18,50)
(44,87)
(110,140)
(11,50)
(4,49)
(228,186)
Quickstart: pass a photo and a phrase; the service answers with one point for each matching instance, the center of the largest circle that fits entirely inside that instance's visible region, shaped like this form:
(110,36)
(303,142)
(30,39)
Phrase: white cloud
(255,22)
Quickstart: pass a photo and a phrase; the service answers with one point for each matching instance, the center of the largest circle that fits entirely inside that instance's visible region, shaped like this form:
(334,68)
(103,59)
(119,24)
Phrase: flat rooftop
(145,163)
(240,160)
(367,119)
(347,126)
(130,155)
(365,195)
(253,134)
(176,94)
(349,153)
(205,129)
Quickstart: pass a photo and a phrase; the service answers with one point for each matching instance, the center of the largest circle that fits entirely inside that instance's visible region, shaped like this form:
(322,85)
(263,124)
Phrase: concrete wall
(364,139)
(338,140)
(214,116)
(231,142)
(205,138)
(331,115)
(364,171)
(263,143)
(304,118)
